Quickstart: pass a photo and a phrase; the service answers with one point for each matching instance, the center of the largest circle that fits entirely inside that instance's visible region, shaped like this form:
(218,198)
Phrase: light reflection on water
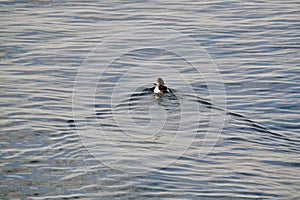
(254,44)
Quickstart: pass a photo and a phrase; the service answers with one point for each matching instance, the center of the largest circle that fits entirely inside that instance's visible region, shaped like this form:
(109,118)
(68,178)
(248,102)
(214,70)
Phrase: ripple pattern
(255,46)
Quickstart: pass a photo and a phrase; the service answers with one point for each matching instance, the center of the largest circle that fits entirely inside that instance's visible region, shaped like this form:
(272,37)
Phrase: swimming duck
(160,87)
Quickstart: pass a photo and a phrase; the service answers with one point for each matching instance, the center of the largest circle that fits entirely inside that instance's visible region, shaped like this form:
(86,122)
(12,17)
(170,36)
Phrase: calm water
(79,120)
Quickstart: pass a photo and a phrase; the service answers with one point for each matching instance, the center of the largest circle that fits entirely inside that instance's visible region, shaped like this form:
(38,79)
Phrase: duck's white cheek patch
(156,90)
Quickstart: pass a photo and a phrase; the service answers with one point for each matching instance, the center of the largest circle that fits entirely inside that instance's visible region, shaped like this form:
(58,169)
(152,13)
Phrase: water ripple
(255,46)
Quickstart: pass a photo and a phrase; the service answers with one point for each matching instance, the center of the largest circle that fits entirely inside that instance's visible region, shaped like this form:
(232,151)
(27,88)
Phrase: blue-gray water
(43,151)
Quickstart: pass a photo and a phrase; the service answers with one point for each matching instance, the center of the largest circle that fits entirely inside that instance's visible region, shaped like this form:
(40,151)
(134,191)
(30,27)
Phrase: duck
(160,87)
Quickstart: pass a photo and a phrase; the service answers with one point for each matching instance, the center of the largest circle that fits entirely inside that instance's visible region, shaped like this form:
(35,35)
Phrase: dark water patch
(280,163)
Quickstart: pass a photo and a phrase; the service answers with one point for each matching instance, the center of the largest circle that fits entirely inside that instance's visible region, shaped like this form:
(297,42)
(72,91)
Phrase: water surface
(256,48)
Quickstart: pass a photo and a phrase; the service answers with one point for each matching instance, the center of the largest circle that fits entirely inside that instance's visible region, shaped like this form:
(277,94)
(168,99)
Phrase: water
(53,147)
